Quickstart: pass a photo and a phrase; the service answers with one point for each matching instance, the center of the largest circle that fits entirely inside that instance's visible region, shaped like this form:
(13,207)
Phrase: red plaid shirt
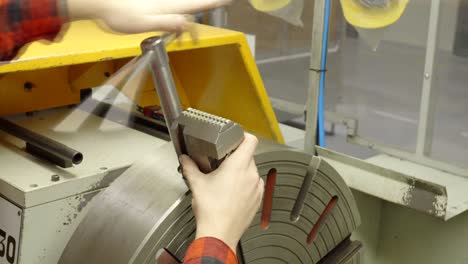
(210,251)
(23,21)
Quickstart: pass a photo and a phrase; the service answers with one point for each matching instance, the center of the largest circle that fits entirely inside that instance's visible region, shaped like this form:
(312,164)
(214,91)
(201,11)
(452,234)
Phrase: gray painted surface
(46,228)
(392,234)
(410,237)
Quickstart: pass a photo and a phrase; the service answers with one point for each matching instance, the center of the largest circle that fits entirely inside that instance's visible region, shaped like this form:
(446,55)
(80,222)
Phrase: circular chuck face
(145,215)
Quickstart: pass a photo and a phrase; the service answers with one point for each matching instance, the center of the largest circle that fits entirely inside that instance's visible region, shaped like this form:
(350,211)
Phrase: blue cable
(323,66)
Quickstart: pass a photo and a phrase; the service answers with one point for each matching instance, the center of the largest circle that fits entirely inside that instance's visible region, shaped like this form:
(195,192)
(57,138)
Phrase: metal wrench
(206,138)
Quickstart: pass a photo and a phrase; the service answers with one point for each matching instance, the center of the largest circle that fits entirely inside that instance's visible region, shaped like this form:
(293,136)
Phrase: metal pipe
(164,84)
(218,17)
(45,147)
(427,109)
(163,78)
(314,77)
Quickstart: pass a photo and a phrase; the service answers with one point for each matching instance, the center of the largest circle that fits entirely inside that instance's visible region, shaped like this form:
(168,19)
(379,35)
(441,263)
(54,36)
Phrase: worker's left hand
(134,16)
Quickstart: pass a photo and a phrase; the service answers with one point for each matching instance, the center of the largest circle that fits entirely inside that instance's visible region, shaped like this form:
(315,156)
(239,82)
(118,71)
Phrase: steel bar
(314,77)
(163,78)
(164,84)
(45,147)
(218,17)
(426,114)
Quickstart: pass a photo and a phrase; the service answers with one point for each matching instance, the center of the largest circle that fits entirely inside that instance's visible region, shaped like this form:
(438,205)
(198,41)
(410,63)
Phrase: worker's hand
(134,16)
(226,200)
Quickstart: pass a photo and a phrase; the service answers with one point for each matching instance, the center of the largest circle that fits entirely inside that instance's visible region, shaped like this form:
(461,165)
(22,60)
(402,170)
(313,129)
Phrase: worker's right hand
(226,200)
(135,16)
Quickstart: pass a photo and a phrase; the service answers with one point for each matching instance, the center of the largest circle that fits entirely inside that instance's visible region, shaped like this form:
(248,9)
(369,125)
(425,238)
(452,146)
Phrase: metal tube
(164,84)
(163,78)
(426,114)
(314,77)
(218,17)
(45,147)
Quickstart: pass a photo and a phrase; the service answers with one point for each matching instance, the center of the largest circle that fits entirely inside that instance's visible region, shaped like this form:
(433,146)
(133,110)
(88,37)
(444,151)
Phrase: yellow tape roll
(360,16)
(269,5)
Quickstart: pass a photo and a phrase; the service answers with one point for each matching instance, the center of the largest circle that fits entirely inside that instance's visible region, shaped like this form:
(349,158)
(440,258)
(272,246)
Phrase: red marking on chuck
(268,199)
(321,220)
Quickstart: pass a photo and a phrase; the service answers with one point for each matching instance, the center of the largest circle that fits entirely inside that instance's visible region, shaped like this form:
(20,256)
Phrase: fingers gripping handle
(209,139)
(206,138)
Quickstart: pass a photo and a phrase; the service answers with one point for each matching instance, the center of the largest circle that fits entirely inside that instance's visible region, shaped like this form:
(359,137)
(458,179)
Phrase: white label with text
(10,225)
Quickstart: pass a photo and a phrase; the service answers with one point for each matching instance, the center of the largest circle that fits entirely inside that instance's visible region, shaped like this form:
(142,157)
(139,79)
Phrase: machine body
(109,209)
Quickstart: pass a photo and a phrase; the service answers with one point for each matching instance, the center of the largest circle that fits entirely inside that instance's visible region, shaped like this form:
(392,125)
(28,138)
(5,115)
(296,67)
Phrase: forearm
(26,21)
(23,21)
(81,9)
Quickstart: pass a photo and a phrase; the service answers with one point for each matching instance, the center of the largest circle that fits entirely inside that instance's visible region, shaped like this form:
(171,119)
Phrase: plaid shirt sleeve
(23,21)
(209,250)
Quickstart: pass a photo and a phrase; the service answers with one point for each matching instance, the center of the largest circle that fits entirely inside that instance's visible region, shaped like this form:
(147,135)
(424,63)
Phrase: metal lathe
(84,179)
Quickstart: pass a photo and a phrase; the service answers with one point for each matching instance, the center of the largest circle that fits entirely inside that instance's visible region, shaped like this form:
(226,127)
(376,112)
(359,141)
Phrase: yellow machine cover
(217,74)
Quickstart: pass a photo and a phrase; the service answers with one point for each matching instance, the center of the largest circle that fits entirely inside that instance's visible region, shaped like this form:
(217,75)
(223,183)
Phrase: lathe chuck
(146,213)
